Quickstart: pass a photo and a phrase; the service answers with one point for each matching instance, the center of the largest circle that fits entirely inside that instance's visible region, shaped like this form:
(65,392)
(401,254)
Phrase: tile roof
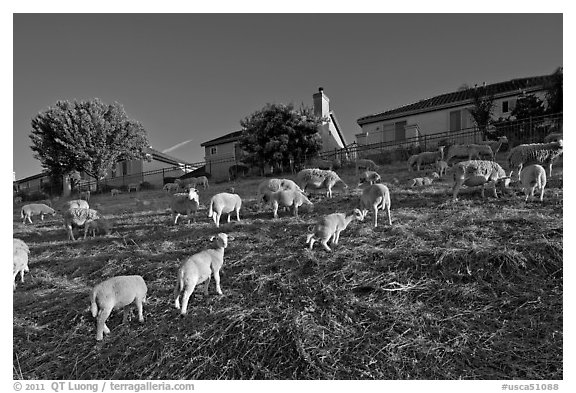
(231,137)
(458,98)
(158,155)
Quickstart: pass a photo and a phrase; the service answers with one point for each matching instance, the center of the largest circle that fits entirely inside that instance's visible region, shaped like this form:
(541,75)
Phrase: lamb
(429,157)
(35,209)
(20,261)
(495,145)
(185,204)
(421,181)
(369,177)
(330,226)
(170,187)
(375,197)
(531,177)
(134,186)
(479,172)
(78,217)
(470,151)
(286,198)
(100,226)
(115,192)
(534,153)
(441,167)
(365,164)
(193,182)
(114,294)
(85,195)
(18,199)
(318,179)
(198,269)
(224,202)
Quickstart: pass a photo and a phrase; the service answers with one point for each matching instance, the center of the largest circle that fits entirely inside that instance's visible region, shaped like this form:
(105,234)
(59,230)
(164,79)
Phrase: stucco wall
(217,164)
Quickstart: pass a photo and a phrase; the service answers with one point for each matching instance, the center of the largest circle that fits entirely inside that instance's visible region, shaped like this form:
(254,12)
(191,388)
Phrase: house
(30,184)
(445,112)
(223,152)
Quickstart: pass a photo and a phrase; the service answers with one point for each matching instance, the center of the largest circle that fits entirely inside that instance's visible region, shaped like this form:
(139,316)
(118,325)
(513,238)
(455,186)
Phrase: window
(124,168)
(505,107)
(400,130)
(455,121)
(213,150)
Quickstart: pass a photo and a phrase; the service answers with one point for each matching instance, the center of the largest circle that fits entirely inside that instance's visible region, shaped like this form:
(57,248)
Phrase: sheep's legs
(238,215)
(217,280)
(206,286)
(229,218)
(101,323)
(176,219)
(29,219)
(389,216)
(375,216)
(324,243)
(139,307)
(275,209)
(185,297)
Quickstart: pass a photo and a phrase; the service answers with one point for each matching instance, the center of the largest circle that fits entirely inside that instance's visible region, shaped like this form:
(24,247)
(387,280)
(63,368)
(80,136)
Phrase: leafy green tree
(554,90)
(528,106)
(279,133)
(86,136)
(482,110)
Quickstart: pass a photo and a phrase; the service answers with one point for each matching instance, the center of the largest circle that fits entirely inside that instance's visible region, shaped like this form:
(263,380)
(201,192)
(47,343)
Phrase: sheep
(273,185)
(534,153)
(35,209)
(18,199)
(421,181)
(441,167)
(85,195)
(470,151)
(478,172)
(100,226)
(286,198)
(553,137)
(185,204)
(429,157)
(115,192)
(531,177)
(375,197)
(495,145)
(192,182)
(224,202)
(365,164)
(330,226)
(198,269)
(412,162)
(134,186)
(370,177)
(170,187)
(435,175)
(78,216)
(318,178)
(75,203)
(20,261)
(114,294)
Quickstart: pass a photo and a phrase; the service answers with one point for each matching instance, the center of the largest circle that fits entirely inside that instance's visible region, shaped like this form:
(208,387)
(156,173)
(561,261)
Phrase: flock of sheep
(121,291)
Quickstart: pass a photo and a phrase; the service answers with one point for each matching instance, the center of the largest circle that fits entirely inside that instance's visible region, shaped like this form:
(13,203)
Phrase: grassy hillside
(469,289)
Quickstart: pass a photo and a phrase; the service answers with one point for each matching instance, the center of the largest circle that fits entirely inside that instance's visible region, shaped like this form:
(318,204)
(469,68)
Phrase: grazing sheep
(198,269)
(85,195)
(469,151)
(375,197)
(78,216)
(435,175)
(319,179)
(367,165)
(170,187)
(75,203)
(185,203)
(114,192)
(412,162)
(134,186)
(20,261)
(35,209)
(421,181)
(531,177)
(114,294)
(273,185)
(18,199)
(479,173)
(495,145)
(192,182)
(370,177)
(429,157)
(330,226)
(441,167)
(224,203)
(101,226)
(286,198)
(534,153)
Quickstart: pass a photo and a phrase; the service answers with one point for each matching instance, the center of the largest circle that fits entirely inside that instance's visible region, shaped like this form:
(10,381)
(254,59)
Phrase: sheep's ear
(230,237)
(212,238)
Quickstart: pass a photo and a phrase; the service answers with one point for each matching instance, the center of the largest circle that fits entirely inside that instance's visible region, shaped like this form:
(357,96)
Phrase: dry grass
(465,290)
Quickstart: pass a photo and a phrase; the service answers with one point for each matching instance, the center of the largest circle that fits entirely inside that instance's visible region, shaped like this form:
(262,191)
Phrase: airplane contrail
(176,146)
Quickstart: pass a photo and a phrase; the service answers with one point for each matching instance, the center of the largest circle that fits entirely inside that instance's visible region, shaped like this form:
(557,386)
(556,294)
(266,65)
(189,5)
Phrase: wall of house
(218,162)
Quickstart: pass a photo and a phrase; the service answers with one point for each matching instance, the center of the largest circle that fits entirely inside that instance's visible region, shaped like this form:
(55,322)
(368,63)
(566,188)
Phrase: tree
(554,90)
(528,105)
(86,136)
(279,133)
(482,110)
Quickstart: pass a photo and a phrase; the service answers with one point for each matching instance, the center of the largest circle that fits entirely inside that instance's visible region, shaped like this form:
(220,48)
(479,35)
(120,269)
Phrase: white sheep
(114,294)
(100,226)
(224,202)
(534,153)
(115,192)
(85,195)
(273,185)
(478,173)
(421,181)
(18,199)
(370,177)
(365,164)
(75,203)
(134,186)
(20,261)
(373,198)
(435,175)
(185,203)
(330,226)
(35,209)
(78,216)
(198,269)
(192,182)
(429,157)
(469,151)
(170,187)
(495,145)
(531,177)
(441,167)
(286,198)
(319,179)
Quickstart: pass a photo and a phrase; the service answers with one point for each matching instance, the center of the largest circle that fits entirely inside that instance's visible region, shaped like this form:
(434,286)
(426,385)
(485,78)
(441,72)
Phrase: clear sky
(195,76)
